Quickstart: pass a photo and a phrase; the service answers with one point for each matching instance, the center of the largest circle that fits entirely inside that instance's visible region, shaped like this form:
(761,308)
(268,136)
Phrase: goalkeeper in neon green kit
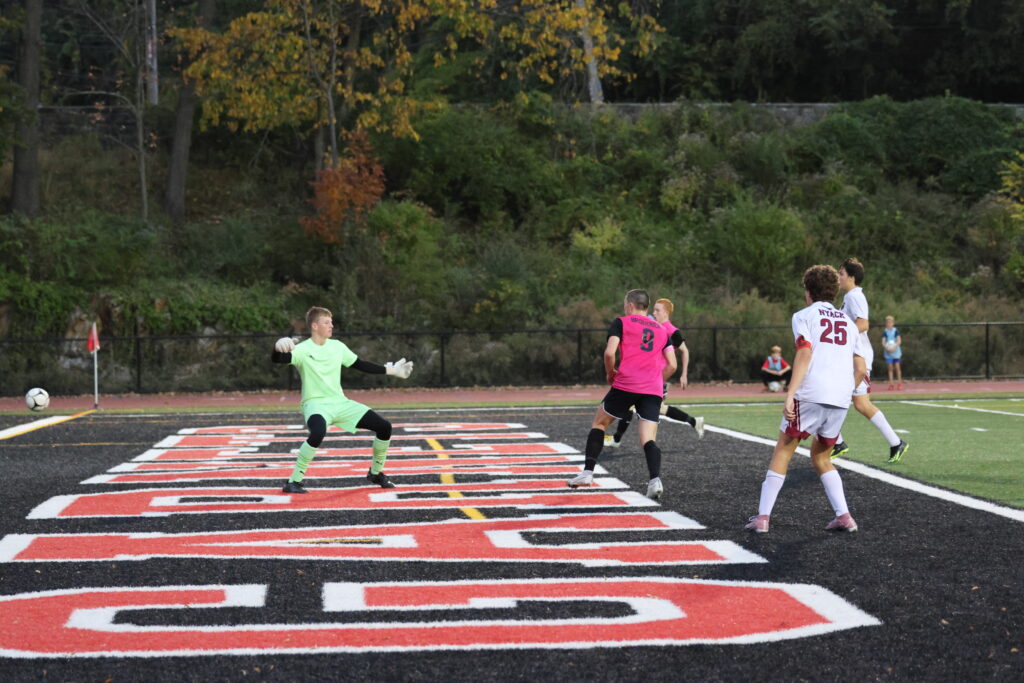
(319,361)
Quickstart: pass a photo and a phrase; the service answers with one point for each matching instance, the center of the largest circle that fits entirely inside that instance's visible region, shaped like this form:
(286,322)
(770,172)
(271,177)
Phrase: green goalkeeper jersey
(320,367)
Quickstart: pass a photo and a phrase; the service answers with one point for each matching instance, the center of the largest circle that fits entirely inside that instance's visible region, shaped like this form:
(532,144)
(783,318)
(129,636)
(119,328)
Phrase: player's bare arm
(860,370)
(801,363)
(685,365)
(670,362)
(609,358)
(862,324)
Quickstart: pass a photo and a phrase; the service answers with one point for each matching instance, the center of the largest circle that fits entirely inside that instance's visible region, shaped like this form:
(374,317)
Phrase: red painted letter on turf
(645,611)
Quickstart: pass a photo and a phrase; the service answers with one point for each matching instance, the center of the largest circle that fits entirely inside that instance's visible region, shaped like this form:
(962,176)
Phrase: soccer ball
(775,386)
(890,346)
(37,399)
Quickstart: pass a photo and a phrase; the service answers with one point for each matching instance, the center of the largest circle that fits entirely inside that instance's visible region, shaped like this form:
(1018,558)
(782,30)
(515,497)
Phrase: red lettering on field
(529,448)
(162,502)
(398,465)
(330,470)
(265,439)
(407,426)
(646,611)
(458,540)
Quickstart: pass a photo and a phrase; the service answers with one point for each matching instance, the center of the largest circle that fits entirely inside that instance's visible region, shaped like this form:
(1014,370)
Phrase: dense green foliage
(540,215)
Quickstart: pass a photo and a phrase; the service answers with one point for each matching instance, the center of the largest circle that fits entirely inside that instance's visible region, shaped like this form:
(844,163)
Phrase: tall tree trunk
(25,181)
(177,171)
(140,145)
(593,80)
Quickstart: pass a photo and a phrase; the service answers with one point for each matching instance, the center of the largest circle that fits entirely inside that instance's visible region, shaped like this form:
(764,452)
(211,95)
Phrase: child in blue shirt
(892,343)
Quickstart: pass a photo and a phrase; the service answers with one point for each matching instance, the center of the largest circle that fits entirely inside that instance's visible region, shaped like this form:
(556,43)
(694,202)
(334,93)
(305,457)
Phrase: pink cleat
(758,523)
(843,522)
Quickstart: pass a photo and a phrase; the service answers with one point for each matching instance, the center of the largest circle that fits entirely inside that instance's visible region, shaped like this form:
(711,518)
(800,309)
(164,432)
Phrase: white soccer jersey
(833,339)
(855,305)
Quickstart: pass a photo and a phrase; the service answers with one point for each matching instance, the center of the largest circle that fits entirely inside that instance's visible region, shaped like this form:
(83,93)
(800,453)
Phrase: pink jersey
(833,339)
(642,356)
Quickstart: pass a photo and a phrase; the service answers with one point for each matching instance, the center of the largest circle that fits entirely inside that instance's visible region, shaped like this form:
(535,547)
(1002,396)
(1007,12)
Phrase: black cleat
(380,479)
(839,449)
(896,452)
(293,487)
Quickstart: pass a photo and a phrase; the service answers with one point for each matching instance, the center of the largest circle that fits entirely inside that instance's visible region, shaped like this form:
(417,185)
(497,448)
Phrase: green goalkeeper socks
(306,453)
(380,455)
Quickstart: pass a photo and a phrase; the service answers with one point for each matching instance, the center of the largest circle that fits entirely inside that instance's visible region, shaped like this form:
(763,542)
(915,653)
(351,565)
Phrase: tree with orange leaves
(343,193)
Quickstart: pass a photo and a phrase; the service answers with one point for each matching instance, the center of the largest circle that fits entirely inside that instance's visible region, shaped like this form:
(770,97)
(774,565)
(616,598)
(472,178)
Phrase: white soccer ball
(891,346)
(37,399)
(775,386)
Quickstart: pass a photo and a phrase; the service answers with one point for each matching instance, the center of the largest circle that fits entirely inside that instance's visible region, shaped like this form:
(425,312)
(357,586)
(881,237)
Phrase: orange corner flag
(94,339)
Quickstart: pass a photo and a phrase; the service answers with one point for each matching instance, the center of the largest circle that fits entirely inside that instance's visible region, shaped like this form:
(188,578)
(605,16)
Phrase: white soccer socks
(882,425)
(770,492)
(833,484)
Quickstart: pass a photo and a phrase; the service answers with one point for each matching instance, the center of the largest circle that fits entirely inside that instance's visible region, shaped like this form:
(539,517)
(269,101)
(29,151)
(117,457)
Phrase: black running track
(940,585)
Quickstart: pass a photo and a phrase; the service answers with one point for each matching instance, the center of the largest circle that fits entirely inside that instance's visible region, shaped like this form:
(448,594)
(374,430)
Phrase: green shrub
(763,244)
(92,249)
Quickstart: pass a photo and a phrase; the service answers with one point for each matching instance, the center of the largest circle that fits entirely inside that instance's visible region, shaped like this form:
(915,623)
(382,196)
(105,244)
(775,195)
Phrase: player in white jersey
(829,362)
(855,305)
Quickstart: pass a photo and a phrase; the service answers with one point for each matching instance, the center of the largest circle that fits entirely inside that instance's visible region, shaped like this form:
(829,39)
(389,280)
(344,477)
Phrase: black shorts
(617,403)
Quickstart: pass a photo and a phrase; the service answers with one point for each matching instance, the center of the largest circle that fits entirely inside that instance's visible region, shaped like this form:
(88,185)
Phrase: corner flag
(93,344)
(94,340)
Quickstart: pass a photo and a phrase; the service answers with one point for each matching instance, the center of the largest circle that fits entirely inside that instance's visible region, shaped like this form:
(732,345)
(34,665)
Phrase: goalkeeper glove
(284,345)
(400,368)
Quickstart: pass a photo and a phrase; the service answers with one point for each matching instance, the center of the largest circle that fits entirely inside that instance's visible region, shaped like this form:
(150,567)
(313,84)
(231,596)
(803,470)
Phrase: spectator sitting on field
(775,369)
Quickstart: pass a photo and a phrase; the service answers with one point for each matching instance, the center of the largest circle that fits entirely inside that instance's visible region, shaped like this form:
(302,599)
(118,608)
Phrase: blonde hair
(776,348)
(314,314)
(667,305)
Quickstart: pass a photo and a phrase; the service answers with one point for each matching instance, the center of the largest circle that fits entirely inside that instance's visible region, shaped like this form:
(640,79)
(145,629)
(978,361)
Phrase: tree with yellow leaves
(1012,195)
(335,65)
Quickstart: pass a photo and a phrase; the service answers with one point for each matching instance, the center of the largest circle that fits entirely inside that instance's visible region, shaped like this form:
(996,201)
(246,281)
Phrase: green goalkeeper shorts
(340,412)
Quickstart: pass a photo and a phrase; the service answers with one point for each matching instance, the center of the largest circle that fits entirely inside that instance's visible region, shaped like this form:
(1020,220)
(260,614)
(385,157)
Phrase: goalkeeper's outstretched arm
(400,368)
(368,367)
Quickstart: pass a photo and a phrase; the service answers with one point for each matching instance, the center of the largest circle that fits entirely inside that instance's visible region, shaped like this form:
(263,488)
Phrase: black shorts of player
(617,403)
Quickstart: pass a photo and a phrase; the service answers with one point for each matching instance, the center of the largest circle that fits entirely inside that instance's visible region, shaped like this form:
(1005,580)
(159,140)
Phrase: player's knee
(317,430)
(376,424)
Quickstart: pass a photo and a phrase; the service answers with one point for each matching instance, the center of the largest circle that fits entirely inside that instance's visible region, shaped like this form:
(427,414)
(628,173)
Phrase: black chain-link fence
(154,364)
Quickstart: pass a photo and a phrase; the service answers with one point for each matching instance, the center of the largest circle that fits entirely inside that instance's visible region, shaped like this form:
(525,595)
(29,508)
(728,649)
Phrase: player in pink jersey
(829,363)
(646,359)
(662,310)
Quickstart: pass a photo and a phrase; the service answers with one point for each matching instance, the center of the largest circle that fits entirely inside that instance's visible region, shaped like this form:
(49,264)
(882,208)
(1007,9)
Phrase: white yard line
(892,479)
(960,407)
(38,424)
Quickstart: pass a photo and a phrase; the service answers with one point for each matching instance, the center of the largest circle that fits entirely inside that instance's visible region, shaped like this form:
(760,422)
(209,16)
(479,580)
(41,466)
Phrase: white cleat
(655,488)
(698,427)
(610,442)
(584,478)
